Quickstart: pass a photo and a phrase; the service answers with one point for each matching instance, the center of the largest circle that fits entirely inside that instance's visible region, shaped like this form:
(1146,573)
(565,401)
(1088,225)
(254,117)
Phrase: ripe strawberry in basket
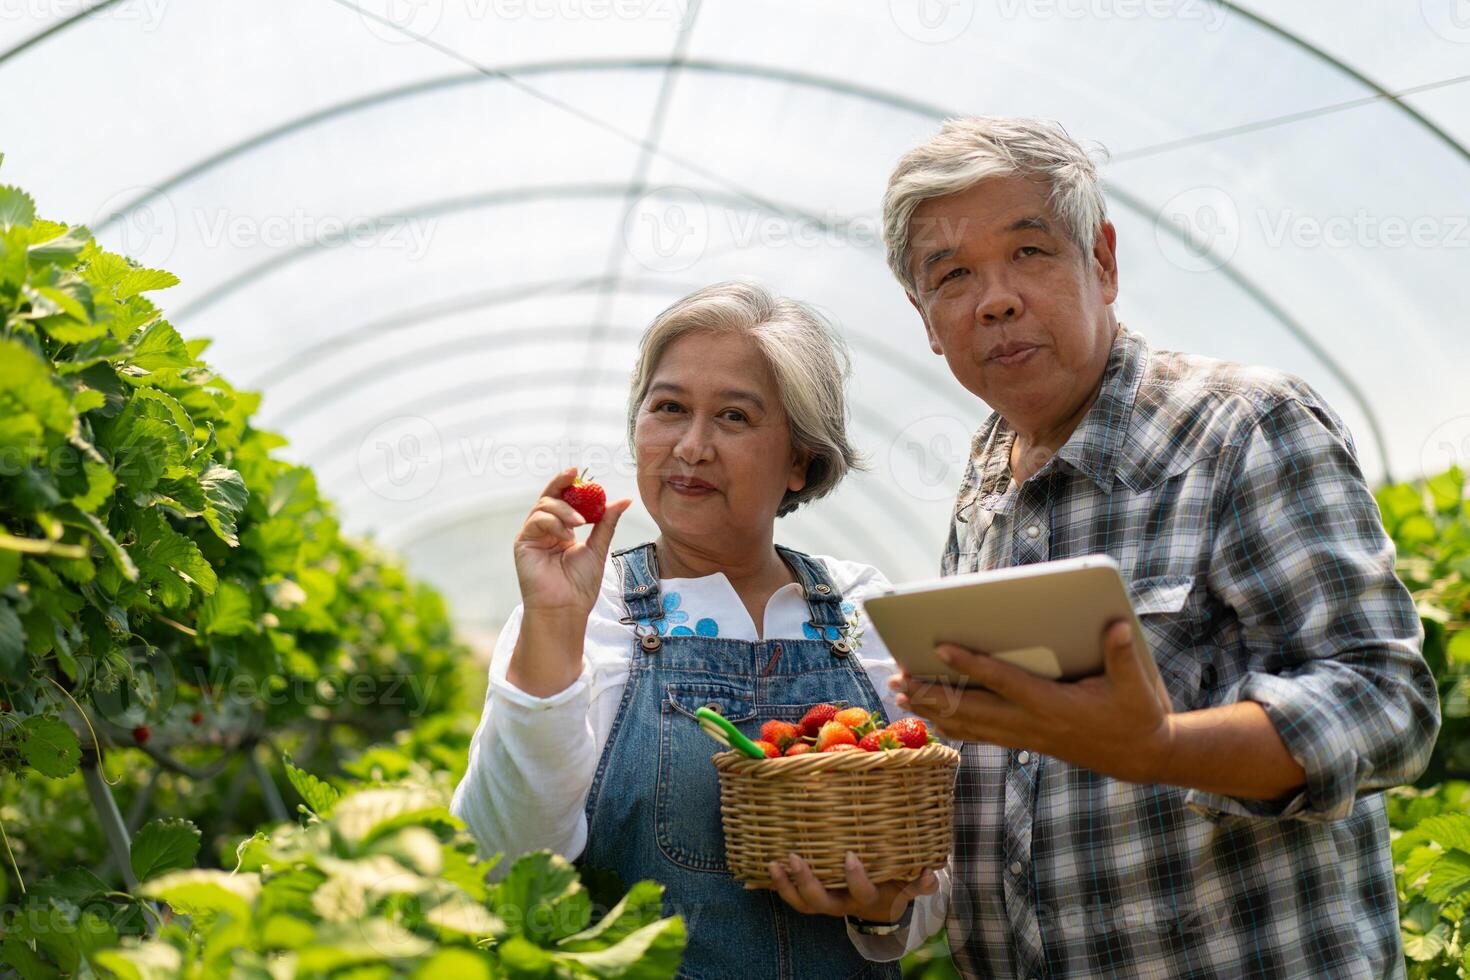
(910,731)
(800,748)
(771,750)
(834,733)
(860,720)
(879,740)
(815,717)
(780,733)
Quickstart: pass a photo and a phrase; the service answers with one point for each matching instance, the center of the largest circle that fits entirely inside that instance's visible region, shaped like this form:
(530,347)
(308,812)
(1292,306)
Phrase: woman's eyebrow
(727,394)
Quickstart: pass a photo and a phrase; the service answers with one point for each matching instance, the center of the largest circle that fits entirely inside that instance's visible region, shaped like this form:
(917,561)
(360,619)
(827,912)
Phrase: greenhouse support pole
(112,822)
(274,805)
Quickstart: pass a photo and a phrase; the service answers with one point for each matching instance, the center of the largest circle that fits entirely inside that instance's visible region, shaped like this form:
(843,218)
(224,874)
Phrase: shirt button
(1024,758)
(1033,531)
(1016,867)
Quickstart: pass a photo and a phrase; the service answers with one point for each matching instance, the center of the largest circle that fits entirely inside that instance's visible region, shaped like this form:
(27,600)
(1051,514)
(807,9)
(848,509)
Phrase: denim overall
(654,807)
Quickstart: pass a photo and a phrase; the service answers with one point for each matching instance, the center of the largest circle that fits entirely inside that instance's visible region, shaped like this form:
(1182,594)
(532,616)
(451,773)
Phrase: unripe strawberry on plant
(587,498)
(834,733)
(780,733)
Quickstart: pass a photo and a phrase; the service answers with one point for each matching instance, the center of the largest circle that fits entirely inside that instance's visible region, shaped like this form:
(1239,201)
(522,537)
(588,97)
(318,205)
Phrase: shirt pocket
(687,794)
(1171,629)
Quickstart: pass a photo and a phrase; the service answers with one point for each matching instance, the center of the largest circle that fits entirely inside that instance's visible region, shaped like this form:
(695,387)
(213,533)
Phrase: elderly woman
(588,745)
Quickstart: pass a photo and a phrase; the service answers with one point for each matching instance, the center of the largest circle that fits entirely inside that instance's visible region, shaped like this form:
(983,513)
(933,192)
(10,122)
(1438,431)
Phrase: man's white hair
(970,149)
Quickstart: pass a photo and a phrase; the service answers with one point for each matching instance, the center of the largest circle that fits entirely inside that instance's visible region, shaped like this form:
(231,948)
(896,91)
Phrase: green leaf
(160,347)
(63,249)
(1450,830)
(462,964)
(319,796)
(1425,947)
(642,905)
(16,207)
(164,845)
(201,892)
(225,495)
(18,956)
(371,941)
(1448,877)
(647,954)
(12,635)
(227,612)
(542,899)
(89,522)
(168,560)
(140,280)
(49,746)
(147,961)
(26,378)
(367,814)
(100,485)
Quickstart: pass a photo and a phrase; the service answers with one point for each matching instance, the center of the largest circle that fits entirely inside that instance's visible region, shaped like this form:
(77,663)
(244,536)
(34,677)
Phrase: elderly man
(1212,810)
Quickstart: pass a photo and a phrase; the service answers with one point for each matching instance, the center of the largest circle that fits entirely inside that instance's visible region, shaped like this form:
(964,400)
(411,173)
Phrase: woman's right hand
(560,576)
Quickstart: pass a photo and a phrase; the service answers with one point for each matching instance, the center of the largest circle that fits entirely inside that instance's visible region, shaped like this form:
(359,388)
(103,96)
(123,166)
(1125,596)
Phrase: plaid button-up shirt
(1259,568)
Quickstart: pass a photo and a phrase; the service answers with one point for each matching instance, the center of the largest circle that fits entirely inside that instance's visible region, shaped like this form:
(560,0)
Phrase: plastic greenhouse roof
(431,231)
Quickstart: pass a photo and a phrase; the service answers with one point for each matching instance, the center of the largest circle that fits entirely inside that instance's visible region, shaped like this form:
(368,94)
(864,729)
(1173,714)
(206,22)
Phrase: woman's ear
(801,461)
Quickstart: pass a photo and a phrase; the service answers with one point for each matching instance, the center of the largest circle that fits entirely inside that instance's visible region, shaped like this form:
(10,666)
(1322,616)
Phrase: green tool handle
(738,742)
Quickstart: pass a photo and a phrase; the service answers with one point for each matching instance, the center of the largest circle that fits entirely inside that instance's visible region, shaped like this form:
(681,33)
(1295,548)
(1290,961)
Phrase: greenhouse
(314,312)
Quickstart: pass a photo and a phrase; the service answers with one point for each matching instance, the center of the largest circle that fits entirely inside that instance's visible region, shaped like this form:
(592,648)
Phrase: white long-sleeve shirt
(532,759)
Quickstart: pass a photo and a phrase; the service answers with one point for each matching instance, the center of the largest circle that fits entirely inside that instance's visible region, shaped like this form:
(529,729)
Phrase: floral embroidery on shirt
(672,614)
(833,633)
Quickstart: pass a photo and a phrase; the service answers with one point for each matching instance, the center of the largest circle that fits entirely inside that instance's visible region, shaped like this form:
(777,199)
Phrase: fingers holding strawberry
(557,572)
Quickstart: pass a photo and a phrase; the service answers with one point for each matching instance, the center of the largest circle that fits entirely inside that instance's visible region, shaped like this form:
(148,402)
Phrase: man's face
(1011,302)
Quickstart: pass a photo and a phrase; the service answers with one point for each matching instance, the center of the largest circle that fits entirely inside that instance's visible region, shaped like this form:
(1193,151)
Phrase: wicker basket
(893,809)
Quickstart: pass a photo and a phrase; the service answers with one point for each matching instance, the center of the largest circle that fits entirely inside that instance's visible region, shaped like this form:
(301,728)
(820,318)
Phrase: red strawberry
(141,734)
(877,741)
(197,717)
(911,732)
(815,718)
(769,748)
(842,747)
(834,733)
(587,498)
(780,733)
(860,720)
(799,748)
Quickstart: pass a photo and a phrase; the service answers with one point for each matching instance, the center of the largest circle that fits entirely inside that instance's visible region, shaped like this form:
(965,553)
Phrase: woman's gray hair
(806,355)
(970,149)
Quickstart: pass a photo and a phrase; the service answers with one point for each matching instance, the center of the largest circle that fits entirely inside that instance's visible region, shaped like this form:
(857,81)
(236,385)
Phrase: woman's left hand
(879,903)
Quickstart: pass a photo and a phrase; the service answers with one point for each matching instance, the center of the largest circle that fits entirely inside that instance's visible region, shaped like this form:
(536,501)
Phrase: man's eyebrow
(1035,222)
(933,257)
(727,394)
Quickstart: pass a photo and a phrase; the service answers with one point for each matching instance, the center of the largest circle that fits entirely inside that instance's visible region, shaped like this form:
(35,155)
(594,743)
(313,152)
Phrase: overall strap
(640,582)
(822,598)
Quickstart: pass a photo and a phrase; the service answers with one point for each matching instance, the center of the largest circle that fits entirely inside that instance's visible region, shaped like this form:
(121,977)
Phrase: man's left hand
(1117,724)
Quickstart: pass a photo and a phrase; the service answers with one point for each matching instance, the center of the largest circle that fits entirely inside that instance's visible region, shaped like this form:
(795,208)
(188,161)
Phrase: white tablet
(1047,618)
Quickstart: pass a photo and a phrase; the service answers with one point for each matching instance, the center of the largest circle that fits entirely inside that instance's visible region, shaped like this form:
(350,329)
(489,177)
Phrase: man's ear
(801,462)
(1105,255)
(934,344)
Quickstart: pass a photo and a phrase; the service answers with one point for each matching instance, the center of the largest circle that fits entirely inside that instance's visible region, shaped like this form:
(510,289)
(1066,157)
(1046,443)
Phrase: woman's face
(713,444)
